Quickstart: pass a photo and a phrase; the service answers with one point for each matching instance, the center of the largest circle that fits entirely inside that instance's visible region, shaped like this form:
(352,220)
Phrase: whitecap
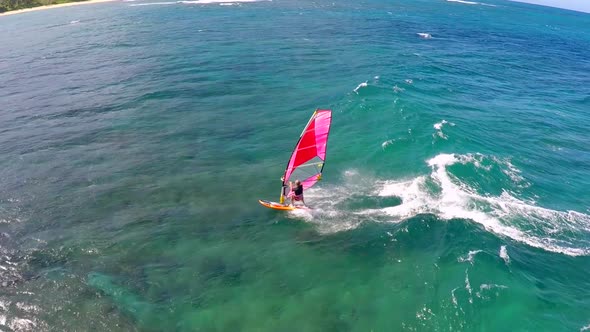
(22,324)
(469,257)
(438,129)
(387,143)
(491,286)
(424,35)
(486,288)
(457,200)
(445,195)
(362,85)
(504,255)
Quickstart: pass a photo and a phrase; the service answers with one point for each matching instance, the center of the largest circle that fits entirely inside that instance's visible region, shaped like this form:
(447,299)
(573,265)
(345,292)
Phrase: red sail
(307,161)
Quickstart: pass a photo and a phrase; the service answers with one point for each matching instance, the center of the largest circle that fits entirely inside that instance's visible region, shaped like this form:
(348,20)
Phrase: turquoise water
(137,137)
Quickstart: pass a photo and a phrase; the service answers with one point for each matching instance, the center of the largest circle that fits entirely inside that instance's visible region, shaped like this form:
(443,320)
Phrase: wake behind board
(279,206)
(307,160)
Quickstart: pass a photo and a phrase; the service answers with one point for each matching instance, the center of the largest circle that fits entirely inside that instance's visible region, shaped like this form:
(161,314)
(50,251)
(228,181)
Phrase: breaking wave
(449,197)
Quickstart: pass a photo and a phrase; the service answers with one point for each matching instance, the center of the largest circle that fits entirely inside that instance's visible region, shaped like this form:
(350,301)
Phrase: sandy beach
(25,10)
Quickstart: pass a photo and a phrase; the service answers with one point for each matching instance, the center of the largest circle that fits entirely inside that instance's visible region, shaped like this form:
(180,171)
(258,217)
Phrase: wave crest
(448,196)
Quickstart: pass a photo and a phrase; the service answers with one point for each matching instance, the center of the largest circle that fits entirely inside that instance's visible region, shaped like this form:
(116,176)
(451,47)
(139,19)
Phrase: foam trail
(328,203)
(443,194)
(503,215)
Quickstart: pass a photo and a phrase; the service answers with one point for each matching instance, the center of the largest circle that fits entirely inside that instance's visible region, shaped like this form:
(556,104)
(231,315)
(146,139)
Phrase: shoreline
(32,9)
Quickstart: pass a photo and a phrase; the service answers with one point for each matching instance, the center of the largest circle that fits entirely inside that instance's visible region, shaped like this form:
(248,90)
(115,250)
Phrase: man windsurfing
(296,192)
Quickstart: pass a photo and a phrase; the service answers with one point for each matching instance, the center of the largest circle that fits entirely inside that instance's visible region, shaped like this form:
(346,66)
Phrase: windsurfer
(296,193)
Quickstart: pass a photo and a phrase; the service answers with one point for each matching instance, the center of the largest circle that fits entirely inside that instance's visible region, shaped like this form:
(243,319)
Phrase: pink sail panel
(307,160)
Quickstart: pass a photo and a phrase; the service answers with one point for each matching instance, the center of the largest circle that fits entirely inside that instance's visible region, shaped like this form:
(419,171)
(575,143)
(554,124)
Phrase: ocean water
(136,138)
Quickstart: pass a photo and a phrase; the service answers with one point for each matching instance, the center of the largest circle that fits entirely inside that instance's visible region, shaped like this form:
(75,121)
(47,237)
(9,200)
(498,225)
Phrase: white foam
(326,203)
(472,3)
(504,255)
(502,214)
(438,126)
(469,257)
(22,324)
(362,85)
(74,22)
(511,170)
(438,129)
(409,81)
(464,2)
(27,307)
(424,314)
(491,286)
(4,305)
(387,143)
(585,328)
(424,35)
(443,194)
(485,288)
(468,286)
